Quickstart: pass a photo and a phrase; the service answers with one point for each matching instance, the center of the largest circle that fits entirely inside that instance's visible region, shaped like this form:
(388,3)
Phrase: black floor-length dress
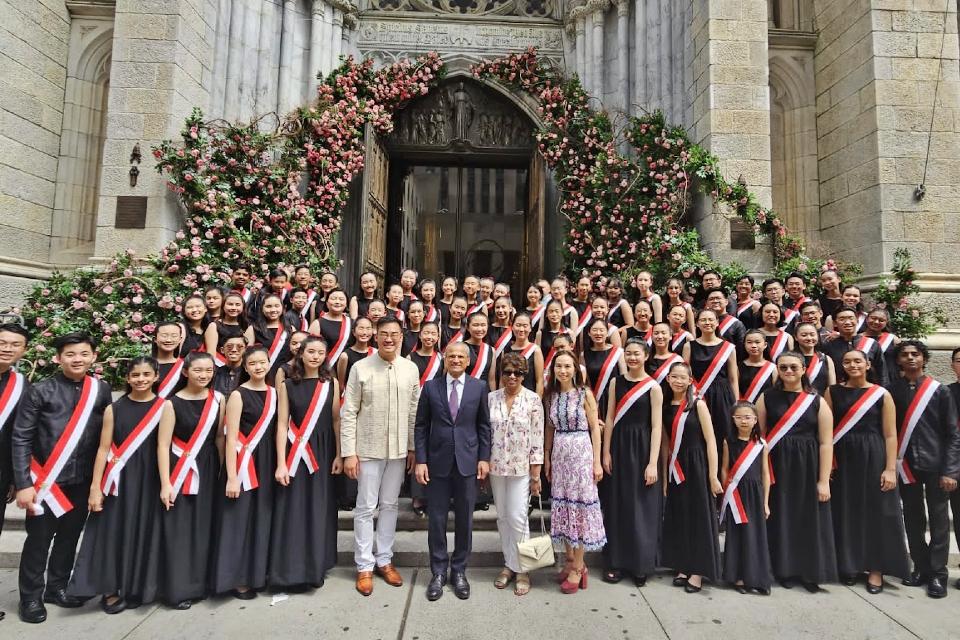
(303,543)
(242,541)
(690,540)
(719,396)
(188,526)
(631,509)
(746,553)
(120,550)
(800,527)
(867,523)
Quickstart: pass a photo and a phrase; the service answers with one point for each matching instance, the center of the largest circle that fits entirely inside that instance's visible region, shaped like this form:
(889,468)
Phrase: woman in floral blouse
(516,421)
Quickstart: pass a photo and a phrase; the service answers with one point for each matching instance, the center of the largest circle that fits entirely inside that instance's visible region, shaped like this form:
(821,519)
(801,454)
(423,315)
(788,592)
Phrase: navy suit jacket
(446,445)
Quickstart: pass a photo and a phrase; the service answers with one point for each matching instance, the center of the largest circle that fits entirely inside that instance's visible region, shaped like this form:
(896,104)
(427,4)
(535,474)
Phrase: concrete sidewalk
(658,610)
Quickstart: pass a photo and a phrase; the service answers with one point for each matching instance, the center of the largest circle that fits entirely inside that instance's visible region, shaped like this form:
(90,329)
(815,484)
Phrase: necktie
(454,401)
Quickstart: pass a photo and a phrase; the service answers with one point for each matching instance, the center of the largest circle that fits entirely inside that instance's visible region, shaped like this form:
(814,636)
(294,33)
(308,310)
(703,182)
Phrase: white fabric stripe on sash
(731,496)
(483,357)
(503,341)
(664,369)
(246,445)
(279,338)
(765,373)
(169,383)
(885,341)
(430,371)
(856,412)
(719,360)
(724,325)
(118,456)
(910,419)
(301,451)
(583,320)
(864,344)
(814,367)
(630,398)
(606,371)
(789,419)
(676,435)
(342,339)
(11,396)
(186,453)
(311,296)
(779,344)
(536,315)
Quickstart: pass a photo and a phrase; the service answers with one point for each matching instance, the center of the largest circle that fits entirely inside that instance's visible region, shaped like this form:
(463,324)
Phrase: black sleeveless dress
(616,316)
(423,361)
(120,549)
(345,488)
(353,357)
(187,528)
(800,527)
(363,305)
(747,375)
(474,355)
(631,509)
(690,541)
(303,544)
(447,332)
(266,339)
(192,342)
(163,369)
(821,381)
(330,332)
(867,523)
(594,360)
(746,554)
(719,396)
(227,331)
(242,543)
(410,341)
(546,341)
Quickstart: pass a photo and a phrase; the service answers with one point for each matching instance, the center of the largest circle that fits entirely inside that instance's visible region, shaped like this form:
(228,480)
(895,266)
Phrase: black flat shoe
(183,605)
(249,594)
(420,512)
(640,580)
(915,579)
(762,591)
(937,587)
(689,588)
(111,609)
(811,587)
(740,588)
(786,583)
(849,580)
(613,576)
(680,581)
(32,611)
(874,589)
(60,598)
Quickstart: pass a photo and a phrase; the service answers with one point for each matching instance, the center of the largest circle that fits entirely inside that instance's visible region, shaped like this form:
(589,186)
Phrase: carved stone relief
(524,8)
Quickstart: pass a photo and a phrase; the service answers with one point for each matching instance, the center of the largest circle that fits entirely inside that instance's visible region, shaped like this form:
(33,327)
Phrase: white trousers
(378,486)
(511,495)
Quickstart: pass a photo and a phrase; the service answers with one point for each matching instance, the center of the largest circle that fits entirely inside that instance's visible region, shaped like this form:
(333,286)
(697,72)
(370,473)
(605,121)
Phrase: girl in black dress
(269,331)
(798,428)
(713,362)
(328,282)
(757,374)
(246,506)
(599,309)
(429,363)
(673,297)
(189,454)
(213,299)
(602,362)
(552,327)
(448,289)
(455,328)
(690,541)
(119,555)
(680,338)
(303,544)
(867,516)
(483,362)
(620,314)
(194,321)
(296,339)
(334,326)
(644,285)
(876,327)
(428,296)
(778,340)
(500,325)
(394,298)
(360,349)
(629,494)
(232,322)
(166,340)
(411,333)
(535,308)
(359,304)
(642,326)
(819,366)
(745,474)
(661,357)
(748,307)
(533,378)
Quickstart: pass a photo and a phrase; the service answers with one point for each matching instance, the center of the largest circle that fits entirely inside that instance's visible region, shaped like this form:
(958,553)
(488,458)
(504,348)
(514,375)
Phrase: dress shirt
(460,381)
(517,434)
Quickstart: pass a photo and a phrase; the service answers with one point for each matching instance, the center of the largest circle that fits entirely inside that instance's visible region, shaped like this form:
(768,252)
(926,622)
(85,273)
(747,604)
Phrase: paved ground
(602,611)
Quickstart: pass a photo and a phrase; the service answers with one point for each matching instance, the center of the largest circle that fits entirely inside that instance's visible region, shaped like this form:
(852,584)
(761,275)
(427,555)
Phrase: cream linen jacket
(364,431)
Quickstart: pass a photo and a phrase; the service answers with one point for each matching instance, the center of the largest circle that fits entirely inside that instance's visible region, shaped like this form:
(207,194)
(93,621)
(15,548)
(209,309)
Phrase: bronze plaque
(131,212)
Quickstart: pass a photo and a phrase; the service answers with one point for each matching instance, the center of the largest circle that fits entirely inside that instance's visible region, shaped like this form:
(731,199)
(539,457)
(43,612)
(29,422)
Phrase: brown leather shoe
(365,582)
(390,575)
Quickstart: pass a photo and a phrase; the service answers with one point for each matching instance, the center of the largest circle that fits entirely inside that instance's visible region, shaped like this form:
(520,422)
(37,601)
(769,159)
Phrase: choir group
(801,427)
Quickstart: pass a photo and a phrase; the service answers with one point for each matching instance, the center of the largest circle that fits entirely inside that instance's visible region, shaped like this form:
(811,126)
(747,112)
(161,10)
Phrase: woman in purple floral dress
(572,461)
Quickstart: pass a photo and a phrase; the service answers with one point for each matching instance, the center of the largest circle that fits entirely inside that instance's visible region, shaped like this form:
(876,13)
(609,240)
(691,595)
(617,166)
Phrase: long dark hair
(578,382)
(804,380)
(139,360)
(204,321)
(755,432)
(195,356)
(298,369)
(260,322)
(690,397)
(242,318)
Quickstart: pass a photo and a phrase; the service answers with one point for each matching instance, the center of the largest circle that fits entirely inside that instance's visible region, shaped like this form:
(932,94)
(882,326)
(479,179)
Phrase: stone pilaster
(162,53)
(731,117)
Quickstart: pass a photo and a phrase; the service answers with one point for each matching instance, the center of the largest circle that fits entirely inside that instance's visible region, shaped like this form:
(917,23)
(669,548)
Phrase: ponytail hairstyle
(298,370)
(755,432)
(804,380)
(690,397)
(139,360)
(639,342)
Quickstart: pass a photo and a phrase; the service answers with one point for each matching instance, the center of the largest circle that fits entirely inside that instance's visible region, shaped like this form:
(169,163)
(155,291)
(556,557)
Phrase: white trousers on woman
(511,495)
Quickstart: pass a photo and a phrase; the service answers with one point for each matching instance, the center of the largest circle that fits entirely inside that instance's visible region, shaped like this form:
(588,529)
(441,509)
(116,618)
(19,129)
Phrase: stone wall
(33,57)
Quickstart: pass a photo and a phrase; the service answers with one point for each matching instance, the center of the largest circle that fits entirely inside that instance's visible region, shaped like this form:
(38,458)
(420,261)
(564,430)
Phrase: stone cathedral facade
(834,111)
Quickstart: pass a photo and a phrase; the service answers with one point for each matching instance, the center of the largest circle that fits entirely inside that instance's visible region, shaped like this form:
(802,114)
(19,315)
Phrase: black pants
(64,533)
(929,559)
(463,490)
(955,511)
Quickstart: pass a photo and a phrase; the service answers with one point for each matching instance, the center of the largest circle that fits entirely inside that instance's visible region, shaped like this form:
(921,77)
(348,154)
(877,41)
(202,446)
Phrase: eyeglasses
(789,367)
(510,373)
(744,418)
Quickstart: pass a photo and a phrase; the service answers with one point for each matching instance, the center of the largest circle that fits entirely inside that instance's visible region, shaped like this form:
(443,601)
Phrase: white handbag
(536,553)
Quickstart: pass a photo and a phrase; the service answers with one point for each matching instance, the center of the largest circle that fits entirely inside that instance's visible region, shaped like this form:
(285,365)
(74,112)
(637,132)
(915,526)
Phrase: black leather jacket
(934,446)
(6,434)
(43,414)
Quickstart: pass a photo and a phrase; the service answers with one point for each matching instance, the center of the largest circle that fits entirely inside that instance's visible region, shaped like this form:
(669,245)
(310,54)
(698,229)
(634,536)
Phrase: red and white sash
(612,310)
(536,315)
(247,444)
(864,344)
(118,457)
(343,338)
(917,406)
(218,358)
(44,476)
(311,296)
(527,351)
(789,315)
(279,339)
(679,339)
(814,367)
(399,315)
(503,341)
(606,371)
(731,496)
(186,473)
(302,320)
(855,413)
(676,437)
(430,371)
(719,361)
(457,337)
(885,341)
(11,396)
(431,314)
(547,362)
(245,293)
(743,307)
(299,436)
(724,325)
(788,421)
(483,359)
(582,321)
(630,397)
(764,374)
(779,344)
(474,308)
(169,382)
(861,320)
(661,373)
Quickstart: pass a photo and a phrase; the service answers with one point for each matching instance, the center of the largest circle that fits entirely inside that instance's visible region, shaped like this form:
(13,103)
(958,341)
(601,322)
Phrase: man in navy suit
(452,438)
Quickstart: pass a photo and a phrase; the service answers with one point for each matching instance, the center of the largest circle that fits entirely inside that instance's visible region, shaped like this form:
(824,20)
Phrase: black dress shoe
(849,580)
(874,589)
(763,591)
(740,588)
(118,605)
(811,587)
(435,588)
(937,587)
(249,594)
(32,611)
(613,576)
(183,605)
(689,588)
(915,579)
(786,583)
(640,580)
(680,581)
(60,598)
(461,588)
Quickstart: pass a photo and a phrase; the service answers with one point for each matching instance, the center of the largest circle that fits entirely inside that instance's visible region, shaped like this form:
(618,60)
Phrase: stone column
(285,82)
(731,114)
(266,98)
(651,38)
(319,49)
(161,57)
(599,7)
(587,79)
(581,28)
(639,55)
(336,37)
(623,47)
(229,105)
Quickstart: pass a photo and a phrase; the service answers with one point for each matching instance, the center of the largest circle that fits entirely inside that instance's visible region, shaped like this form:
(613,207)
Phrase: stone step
(407,520)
